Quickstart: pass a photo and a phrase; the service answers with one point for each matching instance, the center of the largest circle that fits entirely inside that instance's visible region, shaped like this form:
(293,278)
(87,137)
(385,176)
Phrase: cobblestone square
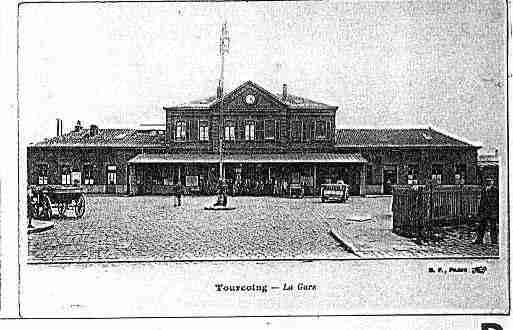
(150,228)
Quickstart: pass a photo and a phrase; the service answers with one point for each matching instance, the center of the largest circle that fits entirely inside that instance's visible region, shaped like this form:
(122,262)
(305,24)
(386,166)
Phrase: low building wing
(108,137)
(396,138)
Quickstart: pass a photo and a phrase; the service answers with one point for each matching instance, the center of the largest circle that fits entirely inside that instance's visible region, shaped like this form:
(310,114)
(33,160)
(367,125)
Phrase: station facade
(270,142)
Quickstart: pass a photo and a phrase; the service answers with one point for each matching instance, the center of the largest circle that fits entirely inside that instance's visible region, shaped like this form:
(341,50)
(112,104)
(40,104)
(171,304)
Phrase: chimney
(219,92)
(284,95)
(78,126)
(93,130)
(59,127)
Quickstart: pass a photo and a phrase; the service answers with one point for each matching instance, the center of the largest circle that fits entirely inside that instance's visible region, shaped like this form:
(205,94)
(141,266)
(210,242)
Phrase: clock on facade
(250,99)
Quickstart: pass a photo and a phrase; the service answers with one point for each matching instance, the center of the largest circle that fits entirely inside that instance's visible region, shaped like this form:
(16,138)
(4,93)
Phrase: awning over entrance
(248,158)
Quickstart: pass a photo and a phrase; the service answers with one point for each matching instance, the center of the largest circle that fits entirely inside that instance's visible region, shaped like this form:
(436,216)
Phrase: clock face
(250,99)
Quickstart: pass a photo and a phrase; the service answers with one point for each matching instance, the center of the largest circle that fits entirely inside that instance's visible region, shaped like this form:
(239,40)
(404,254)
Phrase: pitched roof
(292,101)
(411,137)
(107,137)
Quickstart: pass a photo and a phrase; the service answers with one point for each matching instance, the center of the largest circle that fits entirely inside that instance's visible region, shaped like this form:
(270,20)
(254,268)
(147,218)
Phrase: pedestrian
(31,206)
(178,194)
(488,212)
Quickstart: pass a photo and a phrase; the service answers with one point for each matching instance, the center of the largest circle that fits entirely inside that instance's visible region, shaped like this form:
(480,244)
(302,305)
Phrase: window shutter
(171,130)
(312,134)
(277,130)
(188,130)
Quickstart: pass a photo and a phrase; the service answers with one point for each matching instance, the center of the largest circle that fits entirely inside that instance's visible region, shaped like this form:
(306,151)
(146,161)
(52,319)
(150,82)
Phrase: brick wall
(76,157)
(423,159)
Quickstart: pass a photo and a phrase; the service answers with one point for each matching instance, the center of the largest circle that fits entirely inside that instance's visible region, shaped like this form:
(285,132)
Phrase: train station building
(270,142)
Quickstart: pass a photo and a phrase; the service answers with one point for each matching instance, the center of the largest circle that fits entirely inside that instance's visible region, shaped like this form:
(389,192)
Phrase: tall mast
(224,44)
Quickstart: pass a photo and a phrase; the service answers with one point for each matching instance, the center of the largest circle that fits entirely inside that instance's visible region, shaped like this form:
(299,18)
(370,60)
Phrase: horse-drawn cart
(42,199)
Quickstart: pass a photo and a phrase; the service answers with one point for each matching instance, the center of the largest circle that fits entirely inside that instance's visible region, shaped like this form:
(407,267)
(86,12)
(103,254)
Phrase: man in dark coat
(178,194)
(488,212)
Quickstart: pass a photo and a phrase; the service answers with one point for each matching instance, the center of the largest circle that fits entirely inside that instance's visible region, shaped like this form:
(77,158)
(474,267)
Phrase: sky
(385,64)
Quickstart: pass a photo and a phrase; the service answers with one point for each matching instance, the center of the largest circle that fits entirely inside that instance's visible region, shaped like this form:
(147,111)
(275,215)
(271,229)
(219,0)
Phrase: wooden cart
(62,197)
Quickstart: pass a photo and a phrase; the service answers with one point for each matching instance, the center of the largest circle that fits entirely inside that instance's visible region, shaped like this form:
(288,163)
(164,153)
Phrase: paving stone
(150,228)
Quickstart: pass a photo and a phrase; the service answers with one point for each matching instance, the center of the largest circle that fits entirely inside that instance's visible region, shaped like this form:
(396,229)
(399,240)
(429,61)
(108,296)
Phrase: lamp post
(224,44)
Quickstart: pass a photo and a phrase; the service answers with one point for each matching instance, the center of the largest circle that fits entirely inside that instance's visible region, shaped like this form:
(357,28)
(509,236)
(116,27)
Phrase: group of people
(258,187)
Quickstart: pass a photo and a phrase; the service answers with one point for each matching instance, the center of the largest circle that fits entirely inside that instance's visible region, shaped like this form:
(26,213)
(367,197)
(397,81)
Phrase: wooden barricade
(418,209)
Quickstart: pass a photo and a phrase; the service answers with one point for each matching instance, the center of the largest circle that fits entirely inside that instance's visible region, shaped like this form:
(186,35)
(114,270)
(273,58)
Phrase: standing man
(31,207)
(178,194)
(488,212)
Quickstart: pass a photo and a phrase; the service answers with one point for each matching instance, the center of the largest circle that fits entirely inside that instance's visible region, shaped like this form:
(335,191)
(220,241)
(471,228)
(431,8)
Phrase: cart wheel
(46,212)
(61,207)
(80,206)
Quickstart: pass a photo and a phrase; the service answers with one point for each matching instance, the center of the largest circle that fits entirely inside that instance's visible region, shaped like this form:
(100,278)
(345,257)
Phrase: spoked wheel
(80,206)
(46,209)
(61,207)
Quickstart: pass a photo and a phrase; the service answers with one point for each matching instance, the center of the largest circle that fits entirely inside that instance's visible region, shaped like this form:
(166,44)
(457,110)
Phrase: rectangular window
(306,130)
(436,173)
(229,132)
(460,174)
(249,131)
(42,174)
(203,131)
(66,174)
(269,129)
(111,174)
(368,175)
(88,174)
(167,175)
(259,130)
(180,130)
(295,130)
(320,129)
(413,174)
(76,177)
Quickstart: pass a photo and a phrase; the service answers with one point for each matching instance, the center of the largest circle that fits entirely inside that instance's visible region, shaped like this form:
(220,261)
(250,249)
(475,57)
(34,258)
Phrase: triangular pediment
(250,96)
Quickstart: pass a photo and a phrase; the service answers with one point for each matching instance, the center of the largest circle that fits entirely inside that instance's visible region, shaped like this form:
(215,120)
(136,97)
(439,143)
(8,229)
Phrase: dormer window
(427,136)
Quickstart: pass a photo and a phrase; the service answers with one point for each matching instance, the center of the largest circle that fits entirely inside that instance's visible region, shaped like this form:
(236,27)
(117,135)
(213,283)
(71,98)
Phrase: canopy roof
(248,158)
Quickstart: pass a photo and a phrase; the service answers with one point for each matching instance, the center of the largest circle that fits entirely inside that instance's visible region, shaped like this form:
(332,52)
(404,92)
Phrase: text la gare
(300,287)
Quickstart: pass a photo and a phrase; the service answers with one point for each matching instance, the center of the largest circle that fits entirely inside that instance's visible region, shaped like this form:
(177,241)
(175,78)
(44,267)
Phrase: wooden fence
(418,209)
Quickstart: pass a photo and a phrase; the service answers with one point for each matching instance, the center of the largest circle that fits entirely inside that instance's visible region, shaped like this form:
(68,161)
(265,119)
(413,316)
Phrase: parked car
(334,192)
